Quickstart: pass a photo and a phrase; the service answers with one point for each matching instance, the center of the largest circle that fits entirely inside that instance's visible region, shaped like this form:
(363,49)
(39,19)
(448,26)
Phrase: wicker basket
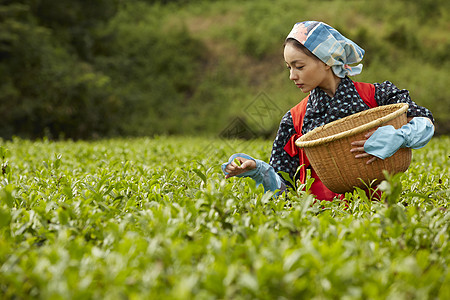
(328,149)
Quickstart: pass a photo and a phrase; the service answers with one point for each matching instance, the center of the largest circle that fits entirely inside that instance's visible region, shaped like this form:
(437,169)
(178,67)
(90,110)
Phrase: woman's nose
(293,75)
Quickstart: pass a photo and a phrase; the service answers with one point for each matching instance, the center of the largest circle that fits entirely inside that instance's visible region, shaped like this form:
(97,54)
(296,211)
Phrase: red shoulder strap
(367,93)
(297,113)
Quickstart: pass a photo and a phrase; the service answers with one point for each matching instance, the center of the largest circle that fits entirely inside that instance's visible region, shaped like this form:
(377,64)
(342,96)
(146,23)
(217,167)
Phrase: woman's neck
(331,85)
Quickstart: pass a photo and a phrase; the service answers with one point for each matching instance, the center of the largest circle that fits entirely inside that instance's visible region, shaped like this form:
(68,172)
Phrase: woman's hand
(359,149)
(234,169)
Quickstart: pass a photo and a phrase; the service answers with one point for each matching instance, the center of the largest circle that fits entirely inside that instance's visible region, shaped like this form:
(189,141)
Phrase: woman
(318,59)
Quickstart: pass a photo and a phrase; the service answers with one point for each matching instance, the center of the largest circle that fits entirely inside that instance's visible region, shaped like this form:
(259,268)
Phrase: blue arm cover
(386,140)
(263,173)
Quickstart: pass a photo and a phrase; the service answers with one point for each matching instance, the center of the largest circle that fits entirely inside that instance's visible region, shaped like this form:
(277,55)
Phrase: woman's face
(305,71)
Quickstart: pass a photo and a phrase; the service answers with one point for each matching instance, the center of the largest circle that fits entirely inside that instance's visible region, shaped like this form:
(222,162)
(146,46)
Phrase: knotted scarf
(329,46)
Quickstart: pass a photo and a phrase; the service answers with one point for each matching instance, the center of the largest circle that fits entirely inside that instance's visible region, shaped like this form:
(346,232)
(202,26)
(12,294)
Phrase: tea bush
(155,218)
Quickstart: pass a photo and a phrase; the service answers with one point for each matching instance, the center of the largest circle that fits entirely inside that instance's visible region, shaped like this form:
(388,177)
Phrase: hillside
(143,68)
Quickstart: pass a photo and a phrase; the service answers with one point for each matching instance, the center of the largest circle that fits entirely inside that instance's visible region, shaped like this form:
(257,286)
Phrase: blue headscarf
(329,46)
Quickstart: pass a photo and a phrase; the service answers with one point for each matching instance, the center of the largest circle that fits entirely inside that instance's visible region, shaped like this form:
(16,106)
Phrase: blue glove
(386,140)
(245,174)
(263,173)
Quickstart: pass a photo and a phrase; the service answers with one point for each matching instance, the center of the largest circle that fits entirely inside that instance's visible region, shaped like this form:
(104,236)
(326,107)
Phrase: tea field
(155,219)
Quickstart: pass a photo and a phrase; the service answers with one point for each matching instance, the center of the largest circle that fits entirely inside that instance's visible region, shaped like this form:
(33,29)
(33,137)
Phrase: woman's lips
(299,85)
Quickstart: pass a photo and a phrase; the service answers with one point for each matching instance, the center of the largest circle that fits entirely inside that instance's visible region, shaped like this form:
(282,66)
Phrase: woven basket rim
(402,108)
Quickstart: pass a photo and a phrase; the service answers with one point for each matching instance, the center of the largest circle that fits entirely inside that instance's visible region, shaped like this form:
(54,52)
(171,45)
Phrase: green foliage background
(87,69)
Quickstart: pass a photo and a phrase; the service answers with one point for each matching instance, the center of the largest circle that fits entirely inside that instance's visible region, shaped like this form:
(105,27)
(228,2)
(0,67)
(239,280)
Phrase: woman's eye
(299,68)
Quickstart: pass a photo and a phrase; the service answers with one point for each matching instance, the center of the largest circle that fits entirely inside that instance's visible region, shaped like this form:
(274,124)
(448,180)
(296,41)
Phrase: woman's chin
(305,90)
